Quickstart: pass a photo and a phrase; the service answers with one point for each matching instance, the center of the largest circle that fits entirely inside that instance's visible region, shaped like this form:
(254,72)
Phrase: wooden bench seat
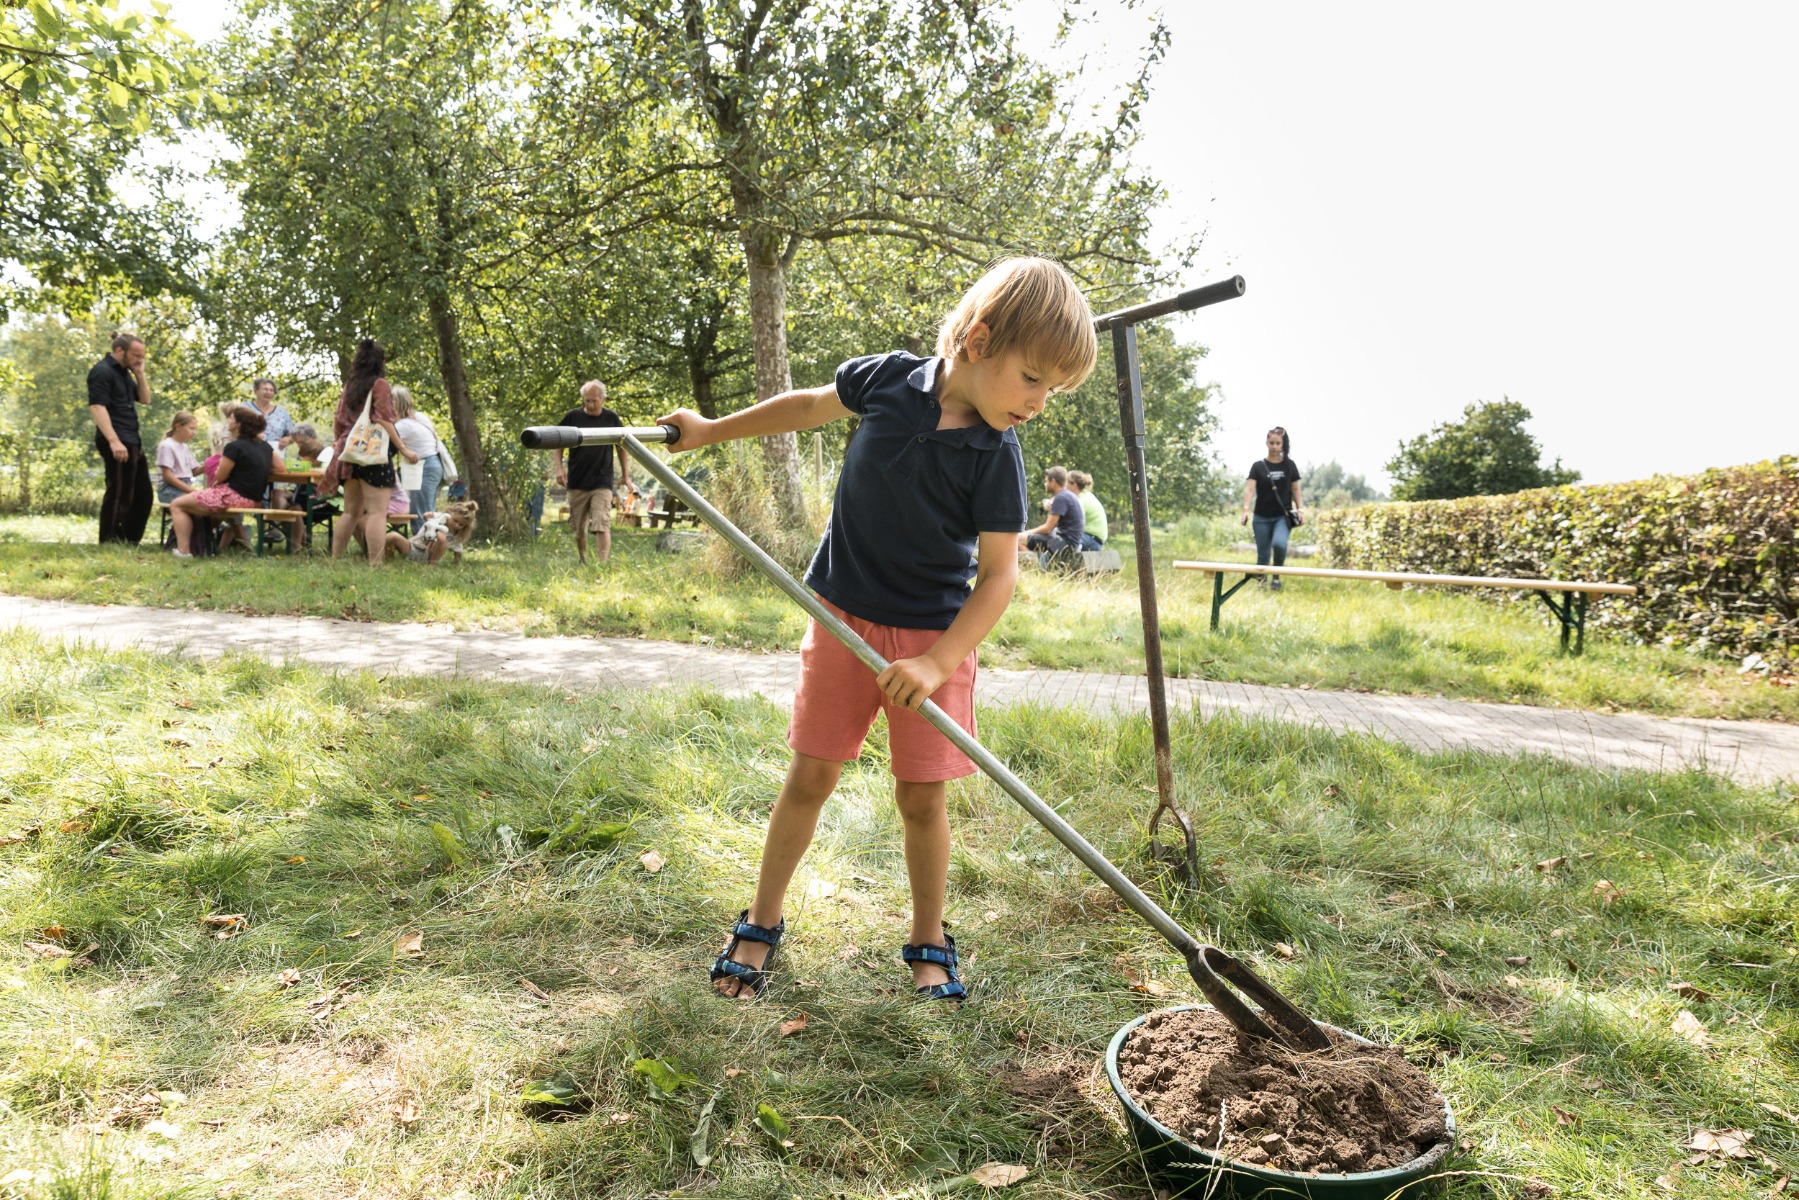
(1571,611)
(279,516)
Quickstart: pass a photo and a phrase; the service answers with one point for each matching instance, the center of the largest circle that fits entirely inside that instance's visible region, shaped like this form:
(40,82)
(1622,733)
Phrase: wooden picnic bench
(676,513)
(1571,610)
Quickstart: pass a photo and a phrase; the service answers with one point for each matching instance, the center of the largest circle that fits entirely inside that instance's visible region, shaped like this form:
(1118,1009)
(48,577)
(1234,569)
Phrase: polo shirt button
(921,439)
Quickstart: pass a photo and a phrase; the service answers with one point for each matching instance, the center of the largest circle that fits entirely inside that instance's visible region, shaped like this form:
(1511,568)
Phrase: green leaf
(699,1142)
(774,1125)
(556,1093)
(450,844)
(665,1079)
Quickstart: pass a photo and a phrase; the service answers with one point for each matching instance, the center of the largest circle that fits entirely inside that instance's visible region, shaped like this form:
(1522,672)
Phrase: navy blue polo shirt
(912,499)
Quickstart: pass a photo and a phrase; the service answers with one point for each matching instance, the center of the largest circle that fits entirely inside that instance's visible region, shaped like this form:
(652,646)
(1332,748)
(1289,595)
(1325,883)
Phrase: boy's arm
(789,412)
(910,681)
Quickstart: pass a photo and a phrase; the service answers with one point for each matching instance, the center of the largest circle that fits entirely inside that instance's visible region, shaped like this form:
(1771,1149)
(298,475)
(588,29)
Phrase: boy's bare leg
(810,782)
(925,816)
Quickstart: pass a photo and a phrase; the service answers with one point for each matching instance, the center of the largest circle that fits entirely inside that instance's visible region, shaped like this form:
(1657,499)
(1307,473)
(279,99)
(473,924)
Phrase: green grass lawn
(445,903)
(1325,634)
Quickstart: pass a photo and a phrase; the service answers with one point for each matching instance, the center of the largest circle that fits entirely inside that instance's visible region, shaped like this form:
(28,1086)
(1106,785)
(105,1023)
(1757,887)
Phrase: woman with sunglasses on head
(1271,500)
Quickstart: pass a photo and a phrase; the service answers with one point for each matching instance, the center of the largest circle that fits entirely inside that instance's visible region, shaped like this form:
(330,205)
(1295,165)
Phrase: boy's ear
(976,341)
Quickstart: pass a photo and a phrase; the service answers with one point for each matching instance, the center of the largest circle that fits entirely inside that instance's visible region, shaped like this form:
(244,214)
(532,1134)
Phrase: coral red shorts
(836,701)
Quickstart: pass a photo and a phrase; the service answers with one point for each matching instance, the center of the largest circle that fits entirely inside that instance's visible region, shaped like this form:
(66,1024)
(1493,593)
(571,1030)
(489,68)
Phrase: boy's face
(1007,390)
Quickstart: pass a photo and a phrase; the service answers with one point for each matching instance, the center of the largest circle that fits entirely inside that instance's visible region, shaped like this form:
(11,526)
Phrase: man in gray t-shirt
(1062,529)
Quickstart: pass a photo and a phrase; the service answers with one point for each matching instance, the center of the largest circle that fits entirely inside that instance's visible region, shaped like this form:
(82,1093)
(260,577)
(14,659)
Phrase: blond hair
(402,401)
(1031,305)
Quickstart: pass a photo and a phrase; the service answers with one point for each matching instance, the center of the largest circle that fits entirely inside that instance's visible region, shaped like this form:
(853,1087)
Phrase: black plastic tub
(1196,1172)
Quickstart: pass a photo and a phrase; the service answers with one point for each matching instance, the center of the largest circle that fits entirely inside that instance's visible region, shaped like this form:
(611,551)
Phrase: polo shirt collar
(980,435)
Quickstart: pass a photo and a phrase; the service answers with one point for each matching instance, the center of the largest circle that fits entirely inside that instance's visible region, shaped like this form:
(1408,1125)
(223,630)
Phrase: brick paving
(1748,751)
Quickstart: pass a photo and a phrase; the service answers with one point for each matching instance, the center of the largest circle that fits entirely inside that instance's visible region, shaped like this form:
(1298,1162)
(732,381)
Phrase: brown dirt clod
(1357,1108)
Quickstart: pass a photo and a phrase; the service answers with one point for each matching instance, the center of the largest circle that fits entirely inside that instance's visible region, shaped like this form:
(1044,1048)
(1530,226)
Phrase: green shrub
(1713,554)
(49,475)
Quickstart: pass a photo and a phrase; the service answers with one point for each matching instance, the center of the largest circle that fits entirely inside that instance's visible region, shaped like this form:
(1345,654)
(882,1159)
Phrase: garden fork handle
(1205,963)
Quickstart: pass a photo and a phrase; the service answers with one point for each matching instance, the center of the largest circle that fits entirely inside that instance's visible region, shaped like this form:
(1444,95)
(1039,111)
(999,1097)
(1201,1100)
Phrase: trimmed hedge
(1714,554)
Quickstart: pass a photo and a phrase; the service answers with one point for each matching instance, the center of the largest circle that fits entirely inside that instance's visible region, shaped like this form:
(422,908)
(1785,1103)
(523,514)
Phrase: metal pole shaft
(995,770)
(1130,414)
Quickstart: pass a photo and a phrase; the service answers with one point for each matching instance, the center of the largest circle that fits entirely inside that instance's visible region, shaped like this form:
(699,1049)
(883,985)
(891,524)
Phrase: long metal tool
(1209,966)
(1123,326)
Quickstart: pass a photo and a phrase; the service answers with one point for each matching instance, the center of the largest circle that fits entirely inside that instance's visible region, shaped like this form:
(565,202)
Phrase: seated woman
(240,480)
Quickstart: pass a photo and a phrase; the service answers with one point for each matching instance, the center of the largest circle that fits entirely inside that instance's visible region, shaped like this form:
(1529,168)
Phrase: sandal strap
(754,976)
(953,990)
(757,933)
(943,956)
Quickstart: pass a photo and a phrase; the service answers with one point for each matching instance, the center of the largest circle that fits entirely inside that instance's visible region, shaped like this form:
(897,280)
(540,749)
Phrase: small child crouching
(934,472)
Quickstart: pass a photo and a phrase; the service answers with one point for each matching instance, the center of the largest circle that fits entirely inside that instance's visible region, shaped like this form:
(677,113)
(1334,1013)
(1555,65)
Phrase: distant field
(1320,633)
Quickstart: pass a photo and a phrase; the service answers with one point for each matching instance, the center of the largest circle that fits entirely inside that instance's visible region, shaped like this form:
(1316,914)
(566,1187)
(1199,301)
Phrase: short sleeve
(234,451)
(1293,467)
(1252,470)
(999,501)
(168,456)
(855,378)
(381,408)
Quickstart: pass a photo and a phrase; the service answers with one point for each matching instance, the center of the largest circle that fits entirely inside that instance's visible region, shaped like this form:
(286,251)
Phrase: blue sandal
(943,956)
(747,976)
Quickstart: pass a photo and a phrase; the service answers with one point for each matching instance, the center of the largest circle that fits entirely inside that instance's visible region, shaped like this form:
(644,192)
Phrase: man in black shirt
(588,475)
(115,387)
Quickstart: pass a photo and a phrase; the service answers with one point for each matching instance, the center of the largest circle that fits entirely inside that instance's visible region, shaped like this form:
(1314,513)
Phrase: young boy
(934,469)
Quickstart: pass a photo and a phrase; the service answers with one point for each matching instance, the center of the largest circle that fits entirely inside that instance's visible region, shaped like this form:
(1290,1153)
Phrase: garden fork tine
(1211,968)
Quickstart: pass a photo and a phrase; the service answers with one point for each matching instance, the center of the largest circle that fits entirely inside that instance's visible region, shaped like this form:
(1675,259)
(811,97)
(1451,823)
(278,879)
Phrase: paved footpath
(1748,751)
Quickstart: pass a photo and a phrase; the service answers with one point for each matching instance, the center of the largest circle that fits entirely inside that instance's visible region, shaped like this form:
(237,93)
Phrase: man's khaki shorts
(590,505)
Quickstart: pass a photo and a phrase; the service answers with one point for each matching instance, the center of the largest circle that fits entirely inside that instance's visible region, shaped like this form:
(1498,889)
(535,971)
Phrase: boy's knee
(919,801)
(813,778)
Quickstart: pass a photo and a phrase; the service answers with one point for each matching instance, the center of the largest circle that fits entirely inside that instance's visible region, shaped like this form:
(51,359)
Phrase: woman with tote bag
(362,458)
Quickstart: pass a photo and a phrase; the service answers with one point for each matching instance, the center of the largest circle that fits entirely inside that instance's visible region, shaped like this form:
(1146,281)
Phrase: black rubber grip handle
(1212,293)
(567,437)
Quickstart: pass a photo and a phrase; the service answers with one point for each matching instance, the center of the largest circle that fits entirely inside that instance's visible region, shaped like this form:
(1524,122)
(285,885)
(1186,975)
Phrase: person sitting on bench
(241,480)
(1063,528)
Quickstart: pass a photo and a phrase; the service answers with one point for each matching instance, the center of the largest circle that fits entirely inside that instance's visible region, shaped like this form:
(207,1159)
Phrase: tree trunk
(462,409)
(768,331)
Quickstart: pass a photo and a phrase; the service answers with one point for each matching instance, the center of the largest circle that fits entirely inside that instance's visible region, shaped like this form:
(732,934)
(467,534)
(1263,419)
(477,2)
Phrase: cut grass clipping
(278,933)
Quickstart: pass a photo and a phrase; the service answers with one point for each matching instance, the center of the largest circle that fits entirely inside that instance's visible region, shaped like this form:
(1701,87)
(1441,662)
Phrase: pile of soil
(1354,1108)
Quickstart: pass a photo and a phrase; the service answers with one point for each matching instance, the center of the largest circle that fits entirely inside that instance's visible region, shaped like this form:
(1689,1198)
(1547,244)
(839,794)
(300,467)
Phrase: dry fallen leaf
(1563,1116)
(998,1175)
(849,952)
(288,977)
(1780,1112)
(1151,987)
(1512,981)
(1284,950)
(820,889)
(619,1118)
(1727,1143)
(1550,864)
(55,933)
(1691,1028)
(83,1045)
(796,1025)
(227,925)
(406,1112)
(990,915)
(411,942)
(1608,889)
(46,950)
(534,990)
(1689,991)
(1671,1181)
(296,860)
(652,862)
(1518,960)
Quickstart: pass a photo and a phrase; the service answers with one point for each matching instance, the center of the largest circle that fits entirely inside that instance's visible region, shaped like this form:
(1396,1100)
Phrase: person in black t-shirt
(1271,499)
(116,385)
(588,474)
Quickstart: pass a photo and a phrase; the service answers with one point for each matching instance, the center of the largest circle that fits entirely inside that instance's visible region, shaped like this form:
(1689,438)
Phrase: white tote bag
(367,444)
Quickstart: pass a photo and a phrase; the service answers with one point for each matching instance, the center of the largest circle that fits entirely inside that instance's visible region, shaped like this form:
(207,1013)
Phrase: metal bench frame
(1570,611)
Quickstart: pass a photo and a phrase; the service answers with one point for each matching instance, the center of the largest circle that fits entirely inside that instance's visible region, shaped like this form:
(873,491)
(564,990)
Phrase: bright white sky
(1592,208)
